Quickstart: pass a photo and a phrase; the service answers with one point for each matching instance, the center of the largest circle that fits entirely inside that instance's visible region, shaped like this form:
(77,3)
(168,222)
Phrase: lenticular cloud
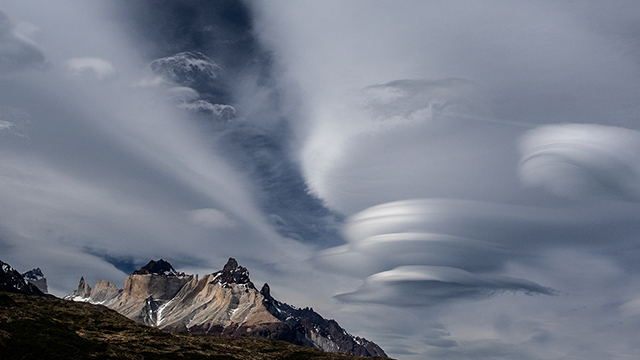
(426,285)
(422,252)
(583,159)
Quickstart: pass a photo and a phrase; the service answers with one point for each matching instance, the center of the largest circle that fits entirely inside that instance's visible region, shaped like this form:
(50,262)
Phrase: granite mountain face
(225,302)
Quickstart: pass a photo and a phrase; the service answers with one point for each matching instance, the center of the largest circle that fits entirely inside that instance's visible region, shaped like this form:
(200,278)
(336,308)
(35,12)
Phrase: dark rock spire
(232,273)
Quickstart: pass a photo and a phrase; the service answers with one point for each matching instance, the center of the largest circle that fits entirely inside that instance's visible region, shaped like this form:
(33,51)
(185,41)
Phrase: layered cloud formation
(482,153)
(581,160)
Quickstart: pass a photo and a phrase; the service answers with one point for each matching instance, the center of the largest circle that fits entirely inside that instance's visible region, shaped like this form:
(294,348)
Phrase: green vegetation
(51,328)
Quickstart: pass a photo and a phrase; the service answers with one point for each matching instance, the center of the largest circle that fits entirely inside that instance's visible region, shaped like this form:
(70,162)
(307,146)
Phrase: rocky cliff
(82,293)
(225,302)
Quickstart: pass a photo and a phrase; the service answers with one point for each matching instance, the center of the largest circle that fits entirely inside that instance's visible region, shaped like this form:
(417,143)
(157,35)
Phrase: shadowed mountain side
(12,281)
(37,278)
(50,328)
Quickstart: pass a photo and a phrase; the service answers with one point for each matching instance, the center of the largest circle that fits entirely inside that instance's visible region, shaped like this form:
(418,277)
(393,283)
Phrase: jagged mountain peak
(34,274)
(266,291)
(12,281)
(231,265)
(225,303)
(233,273)
(160,267)
(82,293)
(36,278)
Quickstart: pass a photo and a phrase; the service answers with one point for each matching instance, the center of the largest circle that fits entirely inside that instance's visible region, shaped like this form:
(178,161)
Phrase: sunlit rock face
(82,293)
(145,289)
(103,292)
(157,279)
(225,302)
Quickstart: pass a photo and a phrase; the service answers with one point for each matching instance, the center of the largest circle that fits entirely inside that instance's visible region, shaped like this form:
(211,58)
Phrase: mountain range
(225,302)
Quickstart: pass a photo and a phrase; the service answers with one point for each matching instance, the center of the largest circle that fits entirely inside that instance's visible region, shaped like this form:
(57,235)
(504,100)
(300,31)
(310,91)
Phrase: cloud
(402,140)
(187,68)
(13,121)
(373,135)
(375,103)
(225,112)
(418,99)
(429,285)
(427,252)
(582,160)
(436,337)
(98,68)
(211,218)
(182,94)
(17,51)
(112,174)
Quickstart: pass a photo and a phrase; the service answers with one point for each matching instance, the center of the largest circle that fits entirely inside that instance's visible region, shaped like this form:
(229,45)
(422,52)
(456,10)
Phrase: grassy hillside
(51,328)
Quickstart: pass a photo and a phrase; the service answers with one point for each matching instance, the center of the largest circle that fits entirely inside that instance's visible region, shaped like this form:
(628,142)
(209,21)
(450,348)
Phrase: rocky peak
(159,267)
(103,292)
(35,274)
(82,293)
(36,277)
(232,273)
(266,291)
(12,281)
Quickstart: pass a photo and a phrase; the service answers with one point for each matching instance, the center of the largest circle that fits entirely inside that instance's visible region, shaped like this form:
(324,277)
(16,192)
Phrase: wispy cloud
(17,51)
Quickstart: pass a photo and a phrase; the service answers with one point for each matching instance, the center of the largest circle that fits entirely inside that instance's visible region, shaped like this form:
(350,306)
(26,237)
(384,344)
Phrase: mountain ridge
(225,302)
(12,281)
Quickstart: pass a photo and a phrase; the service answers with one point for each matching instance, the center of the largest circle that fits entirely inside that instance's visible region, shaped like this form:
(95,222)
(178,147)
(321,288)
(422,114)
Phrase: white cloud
(211,218)
(17,51)
(581,160)
(99,68)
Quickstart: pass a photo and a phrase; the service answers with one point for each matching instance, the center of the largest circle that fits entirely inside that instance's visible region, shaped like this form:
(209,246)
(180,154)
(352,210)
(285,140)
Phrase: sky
(449,179)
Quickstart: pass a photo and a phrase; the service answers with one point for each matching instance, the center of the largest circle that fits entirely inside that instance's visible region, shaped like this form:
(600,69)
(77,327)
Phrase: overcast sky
(450,179)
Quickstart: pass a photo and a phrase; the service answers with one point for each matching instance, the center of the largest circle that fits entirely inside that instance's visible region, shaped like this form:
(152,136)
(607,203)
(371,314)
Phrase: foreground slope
(50,328)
